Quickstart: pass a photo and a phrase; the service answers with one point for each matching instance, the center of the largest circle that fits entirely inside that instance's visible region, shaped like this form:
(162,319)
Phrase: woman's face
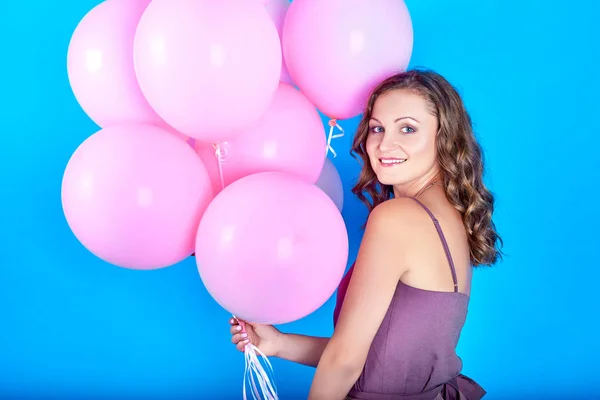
(401,143)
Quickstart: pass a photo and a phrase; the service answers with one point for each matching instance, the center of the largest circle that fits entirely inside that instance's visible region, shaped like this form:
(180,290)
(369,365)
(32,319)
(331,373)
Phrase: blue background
(73,326)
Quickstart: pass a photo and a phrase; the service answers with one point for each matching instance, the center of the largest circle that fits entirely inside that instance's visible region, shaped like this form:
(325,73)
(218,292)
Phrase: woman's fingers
(242,345)
(235,329)
(239,337)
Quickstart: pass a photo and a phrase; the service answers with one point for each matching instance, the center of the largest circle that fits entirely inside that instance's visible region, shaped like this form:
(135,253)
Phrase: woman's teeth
(392,161)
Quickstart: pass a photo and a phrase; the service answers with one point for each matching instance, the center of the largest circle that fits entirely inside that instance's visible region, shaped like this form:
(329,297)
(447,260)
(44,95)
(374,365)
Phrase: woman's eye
(376,129)
(408,129)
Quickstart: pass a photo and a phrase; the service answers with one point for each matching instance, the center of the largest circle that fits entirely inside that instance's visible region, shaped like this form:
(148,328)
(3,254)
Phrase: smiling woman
(418,119)
(402,143)
(402,306)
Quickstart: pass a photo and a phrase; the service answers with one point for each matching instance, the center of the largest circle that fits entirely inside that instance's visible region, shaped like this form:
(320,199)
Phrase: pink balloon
(330,182)
(277,9)
(133,195)
(337,50)
(288,138)
(100,65)
(209,68)
(271,248)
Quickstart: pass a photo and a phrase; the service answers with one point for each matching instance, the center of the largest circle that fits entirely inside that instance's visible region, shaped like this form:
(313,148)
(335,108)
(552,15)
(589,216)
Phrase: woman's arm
(379,266)
(301,349)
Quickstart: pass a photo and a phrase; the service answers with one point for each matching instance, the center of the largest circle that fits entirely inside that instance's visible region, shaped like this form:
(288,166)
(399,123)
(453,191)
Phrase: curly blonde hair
(459,156)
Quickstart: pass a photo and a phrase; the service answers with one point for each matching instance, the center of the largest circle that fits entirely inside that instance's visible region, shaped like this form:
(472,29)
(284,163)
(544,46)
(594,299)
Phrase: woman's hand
(266,337)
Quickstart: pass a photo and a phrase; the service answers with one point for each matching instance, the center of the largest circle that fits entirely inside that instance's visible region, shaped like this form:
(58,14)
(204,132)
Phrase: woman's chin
(385,179)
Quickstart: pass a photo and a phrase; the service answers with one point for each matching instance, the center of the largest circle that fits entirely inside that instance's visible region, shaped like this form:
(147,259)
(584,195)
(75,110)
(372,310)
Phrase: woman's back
(403,309)
(413,353)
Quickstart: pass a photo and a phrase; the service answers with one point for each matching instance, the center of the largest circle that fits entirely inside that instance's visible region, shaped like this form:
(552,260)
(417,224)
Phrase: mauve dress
(413,355)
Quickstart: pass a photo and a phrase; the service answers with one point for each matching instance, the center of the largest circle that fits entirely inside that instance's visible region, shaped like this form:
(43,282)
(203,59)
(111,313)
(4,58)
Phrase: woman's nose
(388,143)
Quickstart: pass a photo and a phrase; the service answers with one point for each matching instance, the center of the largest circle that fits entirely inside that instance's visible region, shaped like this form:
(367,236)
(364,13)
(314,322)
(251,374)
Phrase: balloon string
(220,154)
(256,375)
(332,126)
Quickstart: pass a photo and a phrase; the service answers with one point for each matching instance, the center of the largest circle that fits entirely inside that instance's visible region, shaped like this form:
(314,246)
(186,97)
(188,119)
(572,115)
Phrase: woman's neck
(418,186)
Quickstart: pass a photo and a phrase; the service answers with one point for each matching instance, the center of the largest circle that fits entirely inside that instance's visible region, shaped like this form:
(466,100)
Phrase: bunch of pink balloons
(211,141)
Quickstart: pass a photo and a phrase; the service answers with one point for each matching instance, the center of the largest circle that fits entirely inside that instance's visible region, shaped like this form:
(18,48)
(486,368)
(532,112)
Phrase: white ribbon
(221,155)
(333,125)
(255,374)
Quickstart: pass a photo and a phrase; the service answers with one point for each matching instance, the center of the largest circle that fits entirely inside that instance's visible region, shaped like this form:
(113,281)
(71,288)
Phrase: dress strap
(444,242)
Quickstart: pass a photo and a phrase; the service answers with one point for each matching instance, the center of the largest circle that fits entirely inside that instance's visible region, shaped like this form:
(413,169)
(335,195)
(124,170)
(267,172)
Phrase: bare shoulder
(403,218)
(388,214)
(391,231)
